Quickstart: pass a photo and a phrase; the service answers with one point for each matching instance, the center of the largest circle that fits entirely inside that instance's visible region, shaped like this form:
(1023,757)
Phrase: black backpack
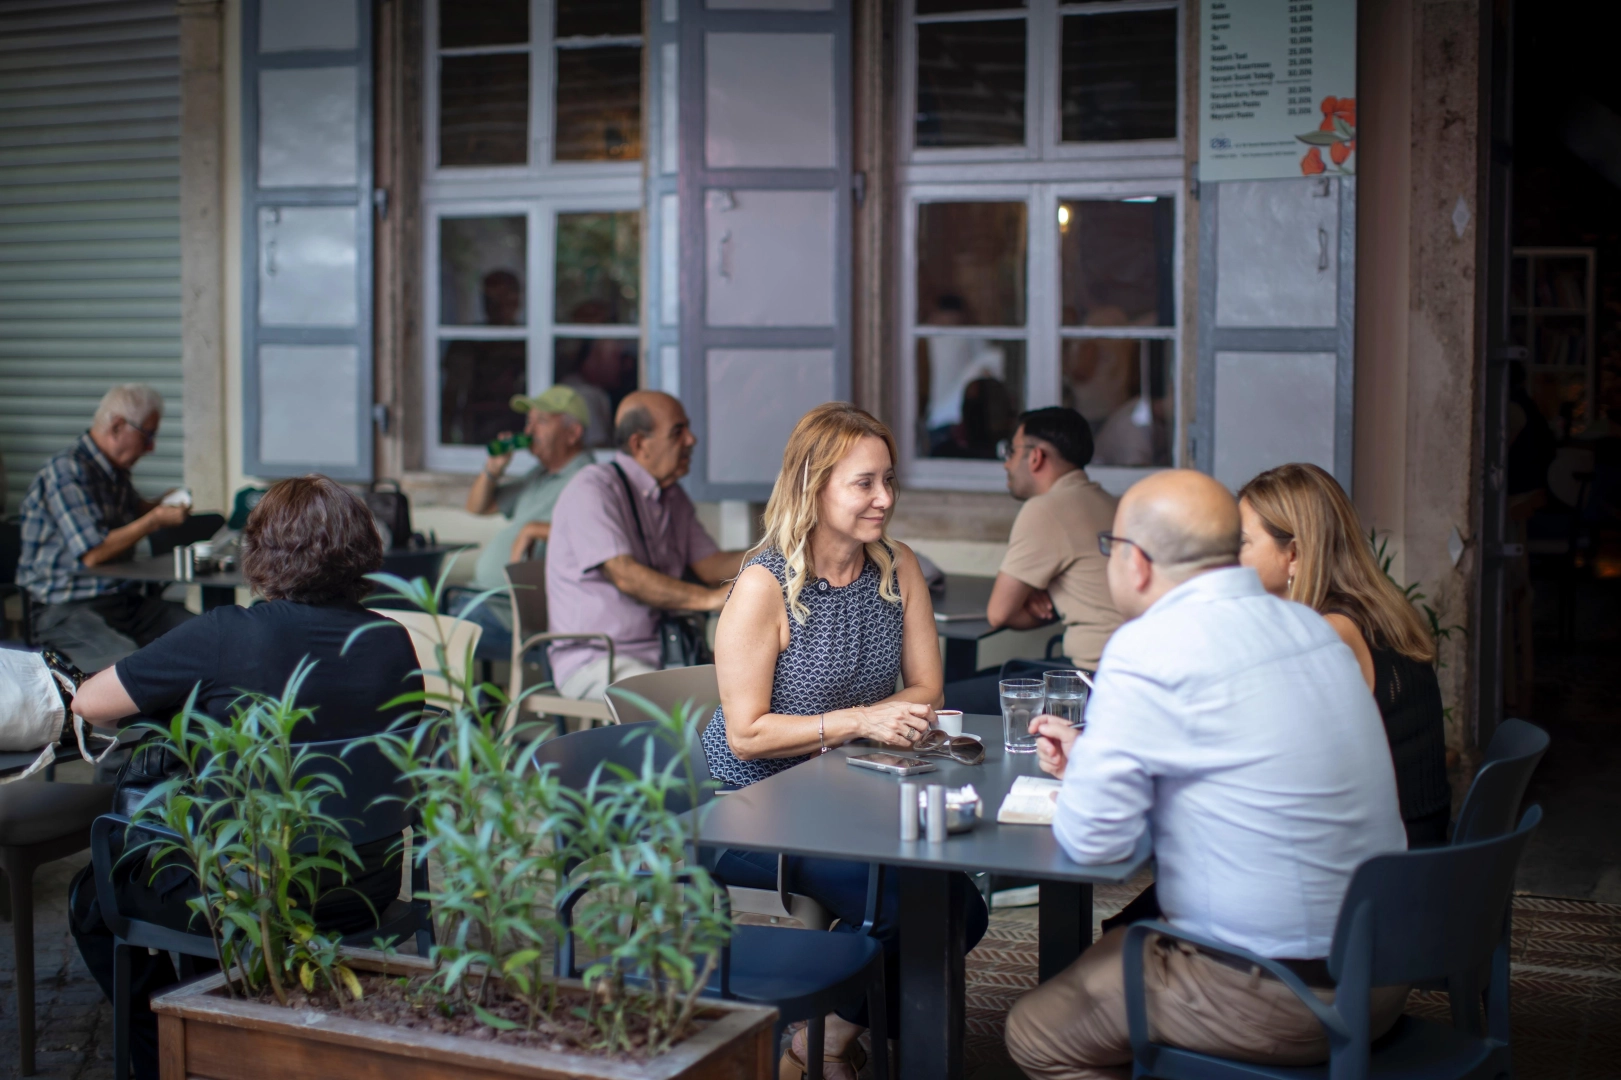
(392,509)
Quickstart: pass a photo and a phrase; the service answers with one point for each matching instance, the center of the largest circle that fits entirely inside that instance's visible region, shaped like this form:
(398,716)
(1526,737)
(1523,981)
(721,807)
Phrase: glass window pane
(970,83)
(1119,76)
(481,271)
(484,109)
(971,391)
(943,7)
(1104,380)
(476,382)
(589,18)
(486,22)
(599,104)
(1116,259)
(598,268)
(603,370)
(971,263)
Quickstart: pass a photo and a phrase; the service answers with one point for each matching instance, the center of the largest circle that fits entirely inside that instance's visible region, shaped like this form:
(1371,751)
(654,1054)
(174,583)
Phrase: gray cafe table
(825,808)
(219,587)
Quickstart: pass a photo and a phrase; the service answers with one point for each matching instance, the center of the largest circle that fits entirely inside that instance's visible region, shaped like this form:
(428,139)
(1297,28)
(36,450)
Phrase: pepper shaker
(937,814)
(908,810)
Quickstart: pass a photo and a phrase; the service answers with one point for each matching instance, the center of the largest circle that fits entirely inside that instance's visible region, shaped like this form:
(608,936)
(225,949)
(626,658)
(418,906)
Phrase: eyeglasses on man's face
(1106,542)
(1007,449)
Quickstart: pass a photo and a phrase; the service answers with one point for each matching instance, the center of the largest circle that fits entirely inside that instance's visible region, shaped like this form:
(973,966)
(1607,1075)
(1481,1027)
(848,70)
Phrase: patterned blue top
(847,654)
(75,501)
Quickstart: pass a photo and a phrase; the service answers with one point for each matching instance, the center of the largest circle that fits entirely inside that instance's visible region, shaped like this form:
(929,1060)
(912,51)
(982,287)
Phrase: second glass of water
(1066,696)
(1021,703)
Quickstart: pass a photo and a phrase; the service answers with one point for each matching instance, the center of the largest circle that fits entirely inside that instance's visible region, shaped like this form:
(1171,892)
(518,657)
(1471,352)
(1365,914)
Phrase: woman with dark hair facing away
(1303,537)
(306,549)
(827,617)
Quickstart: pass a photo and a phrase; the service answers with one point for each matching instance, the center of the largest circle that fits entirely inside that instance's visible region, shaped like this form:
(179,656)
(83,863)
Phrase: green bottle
(497,447)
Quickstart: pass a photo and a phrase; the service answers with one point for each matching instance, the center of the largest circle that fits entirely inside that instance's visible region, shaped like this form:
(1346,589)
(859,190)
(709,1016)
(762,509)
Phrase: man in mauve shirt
(624,535)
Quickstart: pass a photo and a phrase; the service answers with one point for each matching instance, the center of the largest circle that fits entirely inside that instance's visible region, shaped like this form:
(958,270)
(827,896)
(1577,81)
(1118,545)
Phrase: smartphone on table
(893,764)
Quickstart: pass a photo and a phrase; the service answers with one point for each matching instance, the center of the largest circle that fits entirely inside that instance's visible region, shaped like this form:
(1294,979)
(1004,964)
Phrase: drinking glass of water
(1021,702)
(1067,692)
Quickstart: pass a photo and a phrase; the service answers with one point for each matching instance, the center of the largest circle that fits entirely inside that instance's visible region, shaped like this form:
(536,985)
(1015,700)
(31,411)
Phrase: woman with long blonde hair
(1303,537)
(826,614)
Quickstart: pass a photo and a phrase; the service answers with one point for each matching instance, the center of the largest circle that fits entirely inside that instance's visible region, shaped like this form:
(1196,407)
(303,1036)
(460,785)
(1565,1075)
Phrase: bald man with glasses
(1237,727)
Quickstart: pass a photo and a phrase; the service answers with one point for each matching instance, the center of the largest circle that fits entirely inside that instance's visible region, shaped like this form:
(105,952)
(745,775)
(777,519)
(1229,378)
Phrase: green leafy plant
(507,837)
(247,818)
(1441,632)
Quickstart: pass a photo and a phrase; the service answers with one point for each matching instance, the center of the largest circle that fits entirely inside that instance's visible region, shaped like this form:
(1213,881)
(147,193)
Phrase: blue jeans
(840,886)
(495,616)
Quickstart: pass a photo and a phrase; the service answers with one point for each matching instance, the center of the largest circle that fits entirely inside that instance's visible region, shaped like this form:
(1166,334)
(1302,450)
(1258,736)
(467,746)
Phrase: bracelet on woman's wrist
(821,733)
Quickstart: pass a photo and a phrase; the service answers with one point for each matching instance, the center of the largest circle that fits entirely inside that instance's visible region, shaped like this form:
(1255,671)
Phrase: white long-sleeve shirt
(1238,728)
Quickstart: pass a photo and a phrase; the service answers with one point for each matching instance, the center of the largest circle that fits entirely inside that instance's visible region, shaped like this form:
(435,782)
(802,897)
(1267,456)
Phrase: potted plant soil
(504,838)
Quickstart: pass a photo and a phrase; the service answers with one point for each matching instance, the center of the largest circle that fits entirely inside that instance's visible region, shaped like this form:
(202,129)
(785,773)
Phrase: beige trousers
(1073,1027)
(590,683)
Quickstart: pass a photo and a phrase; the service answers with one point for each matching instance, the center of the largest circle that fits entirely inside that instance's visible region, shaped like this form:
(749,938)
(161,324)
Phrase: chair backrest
(528,581)
(1494,798)
(575,756)
(665,689)
(11,549)
(460,636)
(1429,914)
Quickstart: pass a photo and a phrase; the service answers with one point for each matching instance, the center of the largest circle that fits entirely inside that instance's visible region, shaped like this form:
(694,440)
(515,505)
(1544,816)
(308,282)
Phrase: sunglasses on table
(959,748)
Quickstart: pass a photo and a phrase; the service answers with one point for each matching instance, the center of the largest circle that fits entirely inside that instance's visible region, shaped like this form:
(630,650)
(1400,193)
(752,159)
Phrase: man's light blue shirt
(1238,728)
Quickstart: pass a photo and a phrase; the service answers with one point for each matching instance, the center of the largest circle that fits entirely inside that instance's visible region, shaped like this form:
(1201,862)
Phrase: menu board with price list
(1277,93)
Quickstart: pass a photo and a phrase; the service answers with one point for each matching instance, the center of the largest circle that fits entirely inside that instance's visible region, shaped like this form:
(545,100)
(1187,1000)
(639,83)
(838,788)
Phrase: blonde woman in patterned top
(825,615)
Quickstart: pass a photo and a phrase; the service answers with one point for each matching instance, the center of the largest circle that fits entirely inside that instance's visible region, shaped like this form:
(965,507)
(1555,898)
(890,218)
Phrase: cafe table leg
(932,982)
(1065,916)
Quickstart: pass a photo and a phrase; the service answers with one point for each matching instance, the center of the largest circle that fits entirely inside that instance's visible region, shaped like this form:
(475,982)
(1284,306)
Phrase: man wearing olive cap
(557,423)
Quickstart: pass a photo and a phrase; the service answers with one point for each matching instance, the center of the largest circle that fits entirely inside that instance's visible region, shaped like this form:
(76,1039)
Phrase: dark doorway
(1562,583)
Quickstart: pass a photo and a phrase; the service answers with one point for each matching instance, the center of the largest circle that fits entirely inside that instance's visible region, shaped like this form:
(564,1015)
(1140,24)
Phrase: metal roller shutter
(89,224)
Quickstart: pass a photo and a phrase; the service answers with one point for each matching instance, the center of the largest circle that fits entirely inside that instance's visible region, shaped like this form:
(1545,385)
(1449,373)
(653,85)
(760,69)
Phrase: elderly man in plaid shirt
(82,510)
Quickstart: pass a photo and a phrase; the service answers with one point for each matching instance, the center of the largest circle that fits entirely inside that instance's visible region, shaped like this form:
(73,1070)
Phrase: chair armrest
(1136,999)
(519,647)
(565,968)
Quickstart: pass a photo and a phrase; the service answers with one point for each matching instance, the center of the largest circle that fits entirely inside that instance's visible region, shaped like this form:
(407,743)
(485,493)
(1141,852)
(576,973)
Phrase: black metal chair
(804,974)
(11,549)
(1412,917)
(39,823)
(372,801)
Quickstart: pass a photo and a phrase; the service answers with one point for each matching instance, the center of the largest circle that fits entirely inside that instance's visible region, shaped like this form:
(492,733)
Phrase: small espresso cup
(948,721)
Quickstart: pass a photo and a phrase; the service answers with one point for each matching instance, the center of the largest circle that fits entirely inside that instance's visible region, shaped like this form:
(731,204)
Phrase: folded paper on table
(1032,801)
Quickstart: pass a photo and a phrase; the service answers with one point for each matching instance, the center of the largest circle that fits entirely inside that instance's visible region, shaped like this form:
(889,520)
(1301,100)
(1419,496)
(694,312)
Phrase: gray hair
(636,421)
(133,402)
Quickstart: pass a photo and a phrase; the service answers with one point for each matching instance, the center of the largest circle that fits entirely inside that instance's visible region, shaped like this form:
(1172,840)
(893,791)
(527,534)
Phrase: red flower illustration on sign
(1337,132)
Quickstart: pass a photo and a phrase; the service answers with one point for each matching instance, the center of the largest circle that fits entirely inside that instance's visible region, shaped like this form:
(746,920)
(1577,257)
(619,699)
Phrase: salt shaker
(937,813)
(908,810)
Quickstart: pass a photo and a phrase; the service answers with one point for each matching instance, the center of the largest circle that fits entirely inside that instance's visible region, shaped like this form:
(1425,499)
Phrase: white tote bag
(31,711)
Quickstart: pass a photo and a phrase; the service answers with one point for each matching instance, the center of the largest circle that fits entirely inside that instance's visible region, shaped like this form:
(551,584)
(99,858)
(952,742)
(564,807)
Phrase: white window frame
(1040,174)
(538,191)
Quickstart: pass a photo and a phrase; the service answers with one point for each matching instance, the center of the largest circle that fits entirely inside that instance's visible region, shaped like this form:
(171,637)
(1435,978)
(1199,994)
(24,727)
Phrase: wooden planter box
(204,1034)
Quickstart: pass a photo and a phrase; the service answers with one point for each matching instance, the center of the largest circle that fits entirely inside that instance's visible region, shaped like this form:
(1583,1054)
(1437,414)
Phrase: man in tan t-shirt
(1052,566)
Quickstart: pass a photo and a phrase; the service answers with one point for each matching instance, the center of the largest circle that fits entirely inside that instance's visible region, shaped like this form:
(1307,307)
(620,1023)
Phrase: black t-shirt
(233,649)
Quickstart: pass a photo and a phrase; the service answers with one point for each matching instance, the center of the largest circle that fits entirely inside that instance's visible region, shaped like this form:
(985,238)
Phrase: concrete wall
(1416,362)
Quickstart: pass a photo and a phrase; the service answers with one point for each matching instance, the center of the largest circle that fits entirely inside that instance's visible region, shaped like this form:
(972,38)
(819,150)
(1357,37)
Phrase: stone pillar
(202,245)
(1416,368)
